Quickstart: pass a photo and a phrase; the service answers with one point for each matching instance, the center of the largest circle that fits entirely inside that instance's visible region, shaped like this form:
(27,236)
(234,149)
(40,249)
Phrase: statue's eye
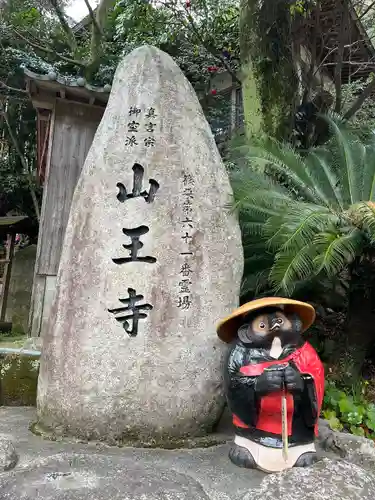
(280,321)
(262,325)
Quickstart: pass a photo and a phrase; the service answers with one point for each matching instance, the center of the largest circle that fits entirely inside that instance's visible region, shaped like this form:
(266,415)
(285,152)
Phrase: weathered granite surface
(165,382)
(206,470)
(8,455)
(325,480)
(84,477)
(354,449)
(65,470)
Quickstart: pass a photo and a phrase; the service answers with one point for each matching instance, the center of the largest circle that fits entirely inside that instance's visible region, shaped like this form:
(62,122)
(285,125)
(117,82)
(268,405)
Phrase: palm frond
(364,215)
(255,246)
(257,196)
(291,267)
(304,218)
(252,228)
(368,175)
(255,284)
(284,160)
(335,251)
(297,226)
(347,153)
(318,161)
(256,269)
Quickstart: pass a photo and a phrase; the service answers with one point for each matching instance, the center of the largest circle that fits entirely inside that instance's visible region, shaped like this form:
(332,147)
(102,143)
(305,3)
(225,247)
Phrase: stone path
(204,471)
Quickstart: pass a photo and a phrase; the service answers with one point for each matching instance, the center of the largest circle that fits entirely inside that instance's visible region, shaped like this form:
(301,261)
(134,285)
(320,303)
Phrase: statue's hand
(293,380)
(269,381)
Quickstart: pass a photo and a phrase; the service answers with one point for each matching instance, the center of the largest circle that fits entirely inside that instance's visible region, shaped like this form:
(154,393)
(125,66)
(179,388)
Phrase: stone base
(133,440)
(74,471)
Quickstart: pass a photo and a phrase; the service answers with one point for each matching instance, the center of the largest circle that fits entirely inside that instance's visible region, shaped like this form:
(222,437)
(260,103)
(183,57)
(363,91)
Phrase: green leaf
(334,423)
(328,414)
(346,405)
(370,418)
(357,431)
(285,160)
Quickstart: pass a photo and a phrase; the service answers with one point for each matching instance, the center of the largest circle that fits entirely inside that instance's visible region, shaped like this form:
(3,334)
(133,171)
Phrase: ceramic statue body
(274,384)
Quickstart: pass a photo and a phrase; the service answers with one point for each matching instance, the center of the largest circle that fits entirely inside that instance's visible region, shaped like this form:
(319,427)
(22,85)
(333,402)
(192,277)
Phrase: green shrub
(349,412)
(15,332)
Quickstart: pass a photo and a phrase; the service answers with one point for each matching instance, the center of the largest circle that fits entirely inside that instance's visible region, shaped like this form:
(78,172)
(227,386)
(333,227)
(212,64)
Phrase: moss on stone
(18,380)
(251,101)
(131,439)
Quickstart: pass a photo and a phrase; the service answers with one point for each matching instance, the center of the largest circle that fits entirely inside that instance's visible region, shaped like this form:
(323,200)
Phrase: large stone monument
(152,259)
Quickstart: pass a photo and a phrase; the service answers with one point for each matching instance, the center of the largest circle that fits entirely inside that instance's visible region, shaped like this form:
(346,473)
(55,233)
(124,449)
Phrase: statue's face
(260,328)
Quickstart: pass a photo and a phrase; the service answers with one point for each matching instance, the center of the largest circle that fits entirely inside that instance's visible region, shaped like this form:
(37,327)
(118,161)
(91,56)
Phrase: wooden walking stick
(284,422)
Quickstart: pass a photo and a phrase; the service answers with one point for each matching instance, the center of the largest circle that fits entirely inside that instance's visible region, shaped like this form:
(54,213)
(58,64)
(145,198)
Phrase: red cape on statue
(308,362)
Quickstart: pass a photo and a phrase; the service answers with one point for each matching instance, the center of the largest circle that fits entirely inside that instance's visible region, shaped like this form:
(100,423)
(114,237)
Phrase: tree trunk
(251,83)
(269,79)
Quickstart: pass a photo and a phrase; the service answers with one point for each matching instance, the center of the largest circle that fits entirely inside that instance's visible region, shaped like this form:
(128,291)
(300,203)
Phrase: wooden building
(68,114)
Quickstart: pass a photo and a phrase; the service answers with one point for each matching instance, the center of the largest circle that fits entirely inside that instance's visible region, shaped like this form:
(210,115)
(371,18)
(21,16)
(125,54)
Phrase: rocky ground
(40,469)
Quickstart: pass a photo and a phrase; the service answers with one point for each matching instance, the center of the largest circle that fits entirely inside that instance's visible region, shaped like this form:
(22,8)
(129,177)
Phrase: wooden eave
(47,88)
(14,224)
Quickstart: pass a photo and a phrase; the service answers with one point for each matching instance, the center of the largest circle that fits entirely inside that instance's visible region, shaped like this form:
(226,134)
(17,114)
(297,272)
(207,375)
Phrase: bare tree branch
(49,51)
(6,87)
(332,51)
(64,24)
(93,18)
(360,100)
(23,162)
(366,11)
(339,60)
(367,64)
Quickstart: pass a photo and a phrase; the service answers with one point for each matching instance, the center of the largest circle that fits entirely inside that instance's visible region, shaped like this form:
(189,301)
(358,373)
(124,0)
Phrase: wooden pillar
(7,272)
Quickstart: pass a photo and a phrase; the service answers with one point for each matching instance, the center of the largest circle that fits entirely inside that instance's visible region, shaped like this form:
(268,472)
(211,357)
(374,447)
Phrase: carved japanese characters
(144,273)
(274,384)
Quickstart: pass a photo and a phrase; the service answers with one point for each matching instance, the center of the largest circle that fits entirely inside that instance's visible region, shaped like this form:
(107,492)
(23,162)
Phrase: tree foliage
(307,218)
(40,37)
(203,36)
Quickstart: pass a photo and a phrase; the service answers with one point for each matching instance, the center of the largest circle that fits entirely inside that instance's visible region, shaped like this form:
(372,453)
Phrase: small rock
(33,344)
(325,480)
(81,81)
(355,449)
(8,455)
